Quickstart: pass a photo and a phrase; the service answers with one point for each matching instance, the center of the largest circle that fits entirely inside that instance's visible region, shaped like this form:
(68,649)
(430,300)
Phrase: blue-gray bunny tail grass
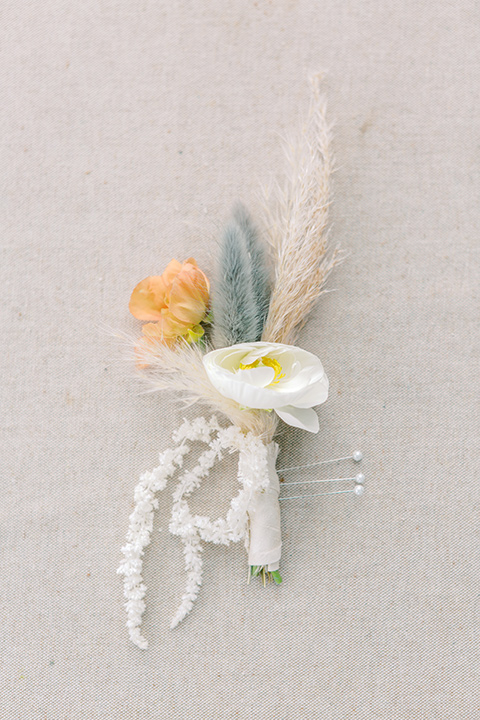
(260,274)
(242,293)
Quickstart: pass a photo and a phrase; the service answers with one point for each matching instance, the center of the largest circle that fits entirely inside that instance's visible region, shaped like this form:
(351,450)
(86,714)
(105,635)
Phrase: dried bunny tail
(260,273)
(181,369)
(297,217)
(241,294)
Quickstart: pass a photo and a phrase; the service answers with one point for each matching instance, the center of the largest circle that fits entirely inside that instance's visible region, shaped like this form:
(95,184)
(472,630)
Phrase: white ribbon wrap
(263,540)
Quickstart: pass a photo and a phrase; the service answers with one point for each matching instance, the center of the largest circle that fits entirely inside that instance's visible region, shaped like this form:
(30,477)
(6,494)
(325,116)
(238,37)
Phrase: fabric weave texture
(129,130)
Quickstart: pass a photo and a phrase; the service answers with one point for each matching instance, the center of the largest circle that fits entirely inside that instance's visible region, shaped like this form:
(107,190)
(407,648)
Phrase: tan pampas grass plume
(297,218)
(181,369)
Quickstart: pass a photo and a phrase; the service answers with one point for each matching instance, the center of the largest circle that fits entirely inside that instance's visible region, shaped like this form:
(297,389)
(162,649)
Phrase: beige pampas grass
(297,217)
(181,369)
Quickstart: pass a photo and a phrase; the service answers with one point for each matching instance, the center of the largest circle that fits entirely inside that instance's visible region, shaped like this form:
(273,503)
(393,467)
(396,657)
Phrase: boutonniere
(230,344)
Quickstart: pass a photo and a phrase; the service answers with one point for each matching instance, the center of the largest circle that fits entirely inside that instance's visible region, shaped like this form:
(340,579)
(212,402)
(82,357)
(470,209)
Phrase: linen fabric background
(128,131)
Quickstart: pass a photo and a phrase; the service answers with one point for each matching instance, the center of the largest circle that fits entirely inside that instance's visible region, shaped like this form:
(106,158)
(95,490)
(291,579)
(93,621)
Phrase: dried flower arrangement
(247,368)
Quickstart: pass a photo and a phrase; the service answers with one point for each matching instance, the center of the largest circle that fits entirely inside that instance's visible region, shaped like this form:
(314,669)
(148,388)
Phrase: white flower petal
(259,377)
(305,377)
(304,418)
(255,354)
(316,394)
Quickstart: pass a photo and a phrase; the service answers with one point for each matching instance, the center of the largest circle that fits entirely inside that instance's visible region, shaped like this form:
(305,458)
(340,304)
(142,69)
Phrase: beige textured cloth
(127,132)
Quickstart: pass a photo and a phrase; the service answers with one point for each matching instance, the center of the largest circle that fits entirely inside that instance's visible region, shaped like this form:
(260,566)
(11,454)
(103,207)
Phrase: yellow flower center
(268,362)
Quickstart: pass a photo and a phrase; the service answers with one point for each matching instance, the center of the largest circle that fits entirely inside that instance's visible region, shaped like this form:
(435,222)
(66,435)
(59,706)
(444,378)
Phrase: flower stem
(266,576)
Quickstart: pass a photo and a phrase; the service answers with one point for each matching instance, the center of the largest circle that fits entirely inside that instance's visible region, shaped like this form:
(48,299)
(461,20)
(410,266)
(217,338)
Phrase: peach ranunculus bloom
(174,304)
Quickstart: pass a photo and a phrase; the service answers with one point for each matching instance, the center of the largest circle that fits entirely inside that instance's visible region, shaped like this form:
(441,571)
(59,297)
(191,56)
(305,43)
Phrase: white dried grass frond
(181,369)
(297,218)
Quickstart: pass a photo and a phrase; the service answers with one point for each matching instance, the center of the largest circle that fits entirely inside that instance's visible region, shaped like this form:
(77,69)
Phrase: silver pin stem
(332,492)
(308,482)
(357,456)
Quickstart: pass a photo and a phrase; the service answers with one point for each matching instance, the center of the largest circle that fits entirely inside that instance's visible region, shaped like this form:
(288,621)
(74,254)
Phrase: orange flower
(174,303)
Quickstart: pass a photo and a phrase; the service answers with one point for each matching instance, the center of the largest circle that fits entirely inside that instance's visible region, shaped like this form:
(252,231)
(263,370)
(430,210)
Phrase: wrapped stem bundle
(248,369)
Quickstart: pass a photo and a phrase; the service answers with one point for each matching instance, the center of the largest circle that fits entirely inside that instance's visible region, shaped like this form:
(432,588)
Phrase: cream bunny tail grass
(181,369)
(297,218)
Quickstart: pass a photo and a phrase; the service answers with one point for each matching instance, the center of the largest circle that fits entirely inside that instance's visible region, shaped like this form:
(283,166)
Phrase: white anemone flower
(271,376)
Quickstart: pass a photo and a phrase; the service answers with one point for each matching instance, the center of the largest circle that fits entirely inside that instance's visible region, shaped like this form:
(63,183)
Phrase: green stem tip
(264,574)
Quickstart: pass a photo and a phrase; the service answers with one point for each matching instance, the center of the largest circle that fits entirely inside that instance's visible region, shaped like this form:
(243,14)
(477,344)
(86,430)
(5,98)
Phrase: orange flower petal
(191,261)
(148,298)
(189,296)
(171,271)
(167,327)
(176,300)
(152,293)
